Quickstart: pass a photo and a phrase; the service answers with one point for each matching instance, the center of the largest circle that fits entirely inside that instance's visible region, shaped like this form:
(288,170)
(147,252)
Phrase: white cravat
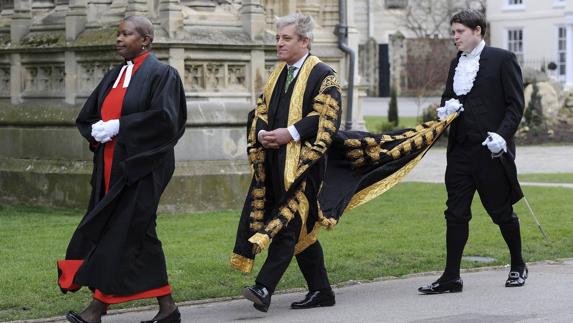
(467,69)
(128,69)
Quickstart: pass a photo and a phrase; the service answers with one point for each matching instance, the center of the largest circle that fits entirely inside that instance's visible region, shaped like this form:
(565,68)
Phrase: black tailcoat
(494,104)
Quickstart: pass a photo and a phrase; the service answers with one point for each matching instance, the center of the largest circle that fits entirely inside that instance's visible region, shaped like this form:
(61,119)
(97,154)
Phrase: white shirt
(466,71)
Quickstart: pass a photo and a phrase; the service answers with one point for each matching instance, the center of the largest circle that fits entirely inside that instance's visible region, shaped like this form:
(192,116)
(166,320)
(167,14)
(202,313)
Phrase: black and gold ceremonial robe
(312,105)
(351,167)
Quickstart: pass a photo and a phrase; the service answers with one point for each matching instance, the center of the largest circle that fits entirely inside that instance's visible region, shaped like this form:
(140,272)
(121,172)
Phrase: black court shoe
(174,317)
(516,278)
(315,299)
(260,297)
(76,318)
(439,287)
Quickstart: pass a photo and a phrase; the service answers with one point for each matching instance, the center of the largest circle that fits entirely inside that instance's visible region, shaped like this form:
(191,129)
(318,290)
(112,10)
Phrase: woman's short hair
(470,18)
(304,25)
(142,25)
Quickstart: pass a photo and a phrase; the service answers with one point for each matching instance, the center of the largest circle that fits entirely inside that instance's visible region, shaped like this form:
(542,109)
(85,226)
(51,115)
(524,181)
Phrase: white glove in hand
(451,106)
(260,134)
(495,143)
(103,131)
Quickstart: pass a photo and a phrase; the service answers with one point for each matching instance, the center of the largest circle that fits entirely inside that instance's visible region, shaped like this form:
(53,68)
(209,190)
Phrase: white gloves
(103,131)
(495,143)
(451,106)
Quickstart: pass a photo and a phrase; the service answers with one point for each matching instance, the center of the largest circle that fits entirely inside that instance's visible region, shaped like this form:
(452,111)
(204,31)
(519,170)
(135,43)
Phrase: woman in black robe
(132,121)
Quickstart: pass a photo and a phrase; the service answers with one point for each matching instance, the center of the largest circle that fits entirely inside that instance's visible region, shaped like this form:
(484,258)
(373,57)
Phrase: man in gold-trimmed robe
(289,134)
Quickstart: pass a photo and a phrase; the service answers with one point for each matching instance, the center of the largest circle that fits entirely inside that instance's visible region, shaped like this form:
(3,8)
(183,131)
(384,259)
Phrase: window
(515,43)
(514,5)
(561,51)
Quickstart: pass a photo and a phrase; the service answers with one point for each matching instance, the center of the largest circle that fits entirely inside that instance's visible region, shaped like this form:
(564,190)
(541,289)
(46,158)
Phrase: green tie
(290,76)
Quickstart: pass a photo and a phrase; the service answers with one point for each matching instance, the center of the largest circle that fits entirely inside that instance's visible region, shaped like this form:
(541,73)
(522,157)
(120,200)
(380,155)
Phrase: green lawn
(373,123)
(400,233)
(547,178)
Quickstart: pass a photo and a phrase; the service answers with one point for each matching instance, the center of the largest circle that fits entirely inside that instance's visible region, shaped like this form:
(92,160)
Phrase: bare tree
(431,18)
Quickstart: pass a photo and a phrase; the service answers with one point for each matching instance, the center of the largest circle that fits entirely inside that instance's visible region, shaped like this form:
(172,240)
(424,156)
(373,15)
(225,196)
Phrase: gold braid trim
(241,263)
(256,154)
(382,186)
(287,211)
(295,115)
(307,240)
(387,183)
(330,81)
(260,242)
(329,110)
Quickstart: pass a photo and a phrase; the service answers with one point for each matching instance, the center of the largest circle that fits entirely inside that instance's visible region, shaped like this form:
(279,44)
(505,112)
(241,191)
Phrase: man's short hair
(142,25)
(304,25)
(470,18)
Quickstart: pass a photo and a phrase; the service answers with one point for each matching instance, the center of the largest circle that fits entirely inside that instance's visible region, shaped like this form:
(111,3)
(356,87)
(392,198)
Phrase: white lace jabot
(467,69)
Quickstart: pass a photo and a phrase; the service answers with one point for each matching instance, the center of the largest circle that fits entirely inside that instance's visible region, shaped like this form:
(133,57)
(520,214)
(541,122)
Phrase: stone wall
(53,53)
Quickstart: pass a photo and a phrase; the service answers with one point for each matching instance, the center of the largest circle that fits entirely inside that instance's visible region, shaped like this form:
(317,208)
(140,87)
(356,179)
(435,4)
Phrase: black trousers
(470,168)
(281,252)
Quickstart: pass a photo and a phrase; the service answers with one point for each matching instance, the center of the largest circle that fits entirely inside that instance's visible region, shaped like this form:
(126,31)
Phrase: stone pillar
(170,16)
(15,78)
(353,42)
(21,21)
(258,74)
(70,80)
(76,19)
(177,60)
(288,7)
(569,51)
(253,18)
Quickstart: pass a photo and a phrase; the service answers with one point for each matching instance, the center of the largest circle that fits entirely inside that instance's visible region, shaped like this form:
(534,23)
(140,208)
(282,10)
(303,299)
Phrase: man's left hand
(495,143)
(279,136)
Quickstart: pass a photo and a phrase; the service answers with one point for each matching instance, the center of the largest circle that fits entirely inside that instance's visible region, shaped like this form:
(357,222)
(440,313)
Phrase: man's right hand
(451,106)
(266,141)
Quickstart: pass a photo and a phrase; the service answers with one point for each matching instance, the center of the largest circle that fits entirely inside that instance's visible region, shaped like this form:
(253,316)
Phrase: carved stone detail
(216,77)
(43,79)
(91,73)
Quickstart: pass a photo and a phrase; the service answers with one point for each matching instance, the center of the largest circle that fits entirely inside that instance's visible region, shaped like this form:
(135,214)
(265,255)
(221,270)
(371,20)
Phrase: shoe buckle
(513,274)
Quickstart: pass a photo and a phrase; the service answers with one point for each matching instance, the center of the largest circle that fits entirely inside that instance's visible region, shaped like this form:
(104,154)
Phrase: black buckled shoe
(439,287)
(260,297)
(315,299)
(516,278)
(76,318)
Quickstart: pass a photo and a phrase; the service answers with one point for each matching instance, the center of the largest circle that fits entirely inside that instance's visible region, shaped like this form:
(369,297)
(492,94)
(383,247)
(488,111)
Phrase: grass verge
(547,178)
(374,123)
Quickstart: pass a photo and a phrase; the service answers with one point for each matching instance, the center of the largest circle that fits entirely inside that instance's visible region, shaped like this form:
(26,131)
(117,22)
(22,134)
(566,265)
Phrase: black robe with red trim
(116,244)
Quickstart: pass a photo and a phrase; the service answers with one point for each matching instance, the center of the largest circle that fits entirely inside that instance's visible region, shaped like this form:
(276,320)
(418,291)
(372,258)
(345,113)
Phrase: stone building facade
(53,53)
